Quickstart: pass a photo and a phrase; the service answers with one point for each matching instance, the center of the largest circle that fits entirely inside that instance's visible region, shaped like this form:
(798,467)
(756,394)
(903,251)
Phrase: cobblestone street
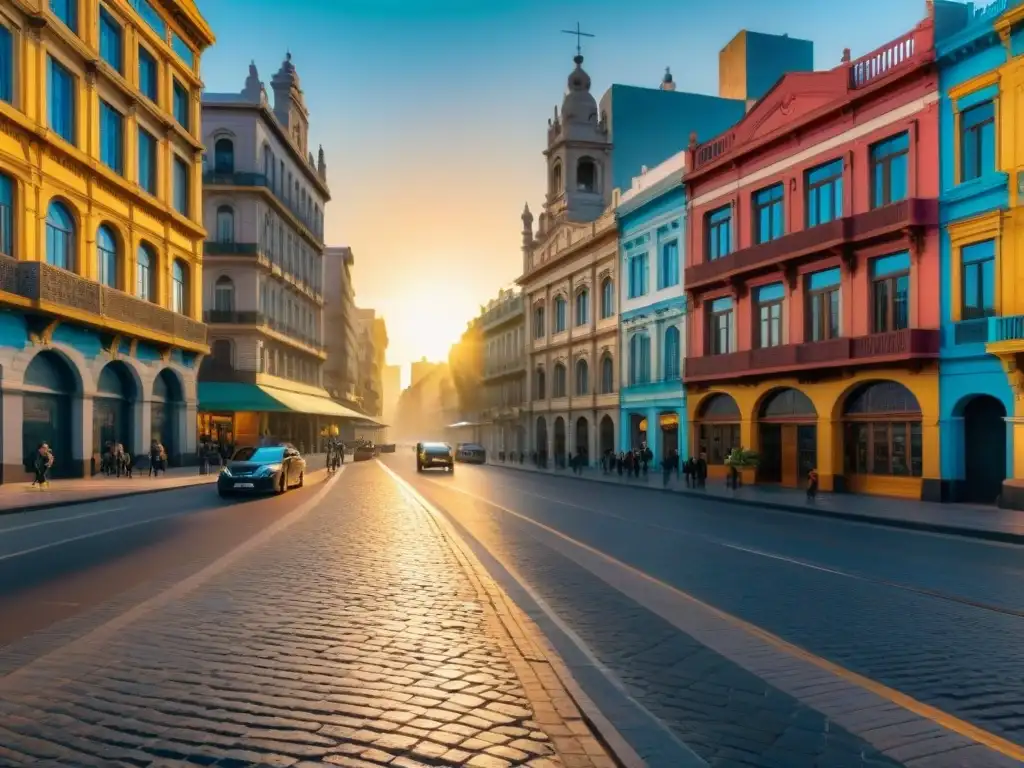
(352,636)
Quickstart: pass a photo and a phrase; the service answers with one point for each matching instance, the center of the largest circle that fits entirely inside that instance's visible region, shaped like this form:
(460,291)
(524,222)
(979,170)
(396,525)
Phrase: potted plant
(737,461)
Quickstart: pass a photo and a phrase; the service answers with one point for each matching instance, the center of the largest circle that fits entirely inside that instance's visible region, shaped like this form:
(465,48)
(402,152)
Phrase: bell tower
(578,155)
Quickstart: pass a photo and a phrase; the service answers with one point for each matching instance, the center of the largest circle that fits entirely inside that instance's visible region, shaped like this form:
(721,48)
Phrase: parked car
(264,469)
(364,452)
(470,453)
(433,455)
(387,448)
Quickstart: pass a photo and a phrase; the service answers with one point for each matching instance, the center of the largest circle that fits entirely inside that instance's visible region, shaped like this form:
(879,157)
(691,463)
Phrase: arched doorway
(166,402)
(112,411)
(50,384)
(637,431)
(882,438)
(559,442)
(583,440)
(668,423)
(541,444)
(984,449)
(718,428)
(788,434)
(606,434)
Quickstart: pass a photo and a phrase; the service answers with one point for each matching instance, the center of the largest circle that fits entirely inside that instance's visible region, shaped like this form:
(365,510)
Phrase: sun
(424,323)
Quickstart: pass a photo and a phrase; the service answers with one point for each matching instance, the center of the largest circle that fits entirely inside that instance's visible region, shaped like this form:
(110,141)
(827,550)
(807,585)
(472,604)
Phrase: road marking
(89,535)
(926,711)
(51,521)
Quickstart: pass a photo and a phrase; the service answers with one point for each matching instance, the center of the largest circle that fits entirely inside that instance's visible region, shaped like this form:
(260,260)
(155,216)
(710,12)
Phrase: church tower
(578,156)
(290,104)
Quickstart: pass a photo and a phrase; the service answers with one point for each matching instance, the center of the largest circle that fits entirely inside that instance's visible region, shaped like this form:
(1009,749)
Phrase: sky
(433,117)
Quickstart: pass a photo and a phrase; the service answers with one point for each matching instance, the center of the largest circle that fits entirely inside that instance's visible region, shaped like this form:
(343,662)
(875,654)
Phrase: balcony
(660,385)
(805,243)
(216,248)
(245,179)
(891,347)
(60,293)
(260,320)
(255,250)
(1005,335)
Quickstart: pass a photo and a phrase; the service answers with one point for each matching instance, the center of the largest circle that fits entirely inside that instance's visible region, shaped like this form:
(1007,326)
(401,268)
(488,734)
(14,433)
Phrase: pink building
(813,277)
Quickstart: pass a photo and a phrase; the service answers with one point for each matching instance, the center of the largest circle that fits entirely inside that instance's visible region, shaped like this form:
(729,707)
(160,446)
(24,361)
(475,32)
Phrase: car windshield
(269,454)
(435,448)
(472,447)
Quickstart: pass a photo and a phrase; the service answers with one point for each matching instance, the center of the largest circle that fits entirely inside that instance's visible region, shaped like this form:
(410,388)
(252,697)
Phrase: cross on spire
(579,37)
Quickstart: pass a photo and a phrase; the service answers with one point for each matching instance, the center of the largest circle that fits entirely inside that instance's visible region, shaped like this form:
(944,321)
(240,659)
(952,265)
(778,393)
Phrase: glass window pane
(881,308)
(879,449)
(901,303)
(833,313)
(900,465)
(898,179)
(988,285)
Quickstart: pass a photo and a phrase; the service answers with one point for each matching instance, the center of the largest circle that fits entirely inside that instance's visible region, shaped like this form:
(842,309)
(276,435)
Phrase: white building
(503,326)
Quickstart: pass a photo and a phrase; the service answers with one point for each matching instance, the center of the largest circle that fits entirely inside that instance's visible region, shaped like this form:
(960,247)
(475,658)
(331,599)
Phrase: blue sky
(433,115)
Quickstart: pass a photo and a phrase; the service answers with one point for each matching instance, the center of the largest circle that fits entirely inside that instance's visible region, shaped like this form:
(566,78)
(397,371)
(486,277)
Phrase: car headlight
(267,470)
(225,471)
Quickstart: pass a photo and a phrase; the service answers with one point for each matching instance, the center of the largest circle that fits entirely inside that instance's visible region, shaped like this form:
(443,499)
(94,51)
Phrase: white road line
(89,535)
(52,520)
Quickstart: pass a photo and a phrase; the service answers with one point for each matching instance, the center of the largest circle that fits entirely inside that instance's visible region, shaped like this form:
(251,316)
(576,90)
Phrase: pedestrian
(812,485)
(701,470)
(666,469)
(40,464)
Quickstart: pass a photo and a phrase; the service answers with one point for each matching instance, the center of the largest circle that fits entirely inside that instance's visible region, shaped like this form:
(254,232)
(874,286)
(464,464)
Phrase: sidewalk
(975,521)
(353,632)
(22,497)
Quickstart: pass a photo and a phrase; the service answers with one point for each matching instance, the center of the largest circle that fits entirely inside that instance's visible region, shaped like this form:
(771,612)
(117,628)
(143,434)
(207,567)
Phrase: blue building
(651,218)
(976,447)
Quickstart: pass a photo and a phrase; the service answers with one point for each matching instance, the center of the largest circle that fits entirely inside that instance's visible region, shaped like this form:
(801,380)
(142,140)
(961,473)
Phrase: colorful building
(812,266)
(101,235)
(652,310)
(974,395)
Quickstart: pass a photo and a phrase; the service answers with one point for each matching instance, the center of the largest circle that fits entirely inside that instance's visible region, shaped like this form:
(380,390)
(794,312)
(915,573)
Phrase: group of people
(335,449)
(118,462)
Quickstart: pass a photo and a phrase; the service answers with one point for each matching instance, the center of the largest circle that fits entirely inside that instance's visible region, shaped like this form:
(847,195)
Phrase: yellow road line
(937,716)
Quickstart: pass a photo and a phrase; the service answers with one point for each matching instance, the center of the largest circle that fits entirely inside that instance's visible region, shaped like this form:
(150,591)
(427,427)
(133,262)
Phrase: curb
(1004,537)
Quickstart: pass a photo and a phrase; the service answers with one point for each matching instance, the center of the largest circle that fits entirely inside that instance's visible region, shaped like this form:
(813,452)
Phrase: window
(6,215)
(823,304)
(824,193)
(106,256)
(180,105)
(148,75)
(150,15)
(224,294)
(607,375)
(556,179)
(144,273)
(61,95)
(719,431)
(890,288)
(559,318)
(538,322)
(111,137)
(718,225)
(60,236)
(889,170)
(225,224)
(768,219)
(582,377)
(769,299)
(147,161)
(6,65)
(181,189)
(558,385)
(882,431)
(672,355)
(583,307)
(638,275)
(720,326)
(977,141)
(978,280)
(179,301)
(540,392)
(110,40)
(181,48)
(668,266)
(586,175)
(66,11)
(224,156)
(639,359)
(607,298)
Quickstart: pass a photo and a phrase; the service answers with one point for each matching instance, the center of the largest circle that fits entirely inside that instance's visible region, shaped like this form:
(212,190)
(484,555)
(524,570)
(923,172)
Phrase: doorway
(984,449)
(787,425)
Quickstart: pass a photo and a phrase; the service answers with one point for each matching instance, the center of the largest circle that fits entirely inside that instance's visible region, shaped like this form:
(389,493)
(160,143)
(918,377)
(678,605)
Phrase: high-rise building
(101,234)
(391,389)
(373,350)
(341,370)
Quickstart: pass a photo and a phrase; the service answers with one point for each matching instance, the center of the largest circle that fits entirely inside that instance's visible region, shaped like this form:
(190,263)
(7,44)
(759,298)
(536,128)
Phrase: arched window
(640,359)
(672,362)
(718,428)
(607,375)
(559,320)
(558,388)
(60,236)
(556,179)
(224,156)
(106,256)
(882,431)
(6,215)
(583,307)
(586,175)
(607,298)
(538,321)
(582,377)
(224,294)
(225,224)
(179,293)
(144,272)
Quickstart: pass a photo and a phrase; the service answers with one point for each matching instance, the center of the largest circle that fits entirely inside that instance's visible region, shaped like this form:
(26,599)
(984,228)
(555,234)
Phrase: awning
(235,396)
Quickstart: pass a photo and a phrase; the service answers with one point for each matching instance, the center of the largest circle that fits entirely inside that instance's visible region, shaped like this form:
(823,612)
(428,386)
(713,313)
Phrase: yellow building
(100,228)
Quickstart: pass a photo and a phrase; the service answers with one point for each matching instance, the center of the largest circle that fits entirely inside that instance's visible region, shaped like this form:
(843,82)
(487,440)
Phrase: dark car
(266,469)
(387,448)
(470,453)
(364,452)
(432,455)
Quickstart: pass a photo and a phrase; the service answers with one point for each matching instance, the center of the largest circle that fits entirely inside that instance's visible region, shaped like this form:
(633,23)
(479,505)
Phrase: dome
(579,105)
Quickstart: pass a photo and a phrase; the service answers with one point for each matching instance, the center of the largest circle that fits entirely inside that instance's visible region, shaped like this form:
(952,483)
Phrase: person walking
(42,460)
(812,485)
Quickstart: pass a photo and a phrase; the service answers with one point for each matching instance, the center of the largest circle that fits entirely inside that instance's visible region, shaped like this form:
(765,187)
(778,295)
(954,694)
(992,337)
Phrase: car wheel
(302,478)
(282,486)
(223,494)
(419,467)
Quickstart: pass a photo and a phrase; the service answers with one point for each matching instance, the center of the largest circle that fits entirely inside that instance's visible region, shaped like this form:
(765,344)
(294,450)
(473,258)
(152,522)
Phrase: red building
(813,277)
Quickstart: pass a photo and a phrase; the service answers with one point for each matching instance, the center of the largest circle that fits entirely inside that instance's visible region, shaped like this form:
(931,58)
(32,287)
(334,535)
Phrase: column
(830,454)
(138,445)
(81,436)
(654,434)
(13,450)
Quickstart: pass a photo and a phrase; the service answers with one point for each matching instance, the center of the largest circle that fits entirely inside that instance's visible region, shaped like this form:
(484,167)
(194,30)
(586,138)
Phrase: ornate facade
(101,235)
(503,327)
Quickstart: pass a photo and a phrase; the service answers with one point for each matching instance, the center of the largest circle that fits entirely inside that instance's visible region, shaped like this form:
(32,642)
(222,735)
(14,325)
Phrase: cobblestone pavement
(946,651)
(352,637)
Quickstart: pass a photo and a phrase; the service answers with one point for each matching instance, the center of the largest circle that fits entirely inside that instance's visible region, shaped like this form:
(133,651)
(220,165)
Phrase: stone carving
(66,163)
